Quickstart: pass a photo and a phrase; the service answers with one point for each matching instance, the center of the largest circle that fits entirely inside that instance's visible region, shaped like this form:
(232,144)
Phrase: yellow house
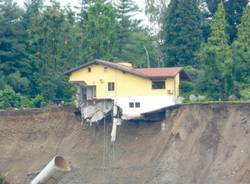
(134,90)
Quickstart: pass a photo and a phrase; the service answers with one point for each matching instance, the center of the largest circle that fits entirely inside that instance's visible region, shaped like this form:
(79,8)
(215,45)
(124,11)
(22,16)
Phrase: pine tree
(181,32)
(241,52)
(13,55)
(125,10)
(32,9)
(215,59)
(234,10)
(53,49)
(212,5)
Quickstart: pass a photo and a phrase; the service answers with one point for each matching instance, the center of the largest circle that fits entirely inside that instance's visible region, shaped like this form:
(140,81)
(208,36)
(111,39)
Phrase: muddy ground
(202,144)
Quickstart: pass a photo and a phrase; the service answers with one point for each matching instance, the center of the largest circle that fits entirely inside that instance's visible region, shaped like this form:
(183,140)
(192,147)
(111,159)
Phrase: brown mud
(202,144)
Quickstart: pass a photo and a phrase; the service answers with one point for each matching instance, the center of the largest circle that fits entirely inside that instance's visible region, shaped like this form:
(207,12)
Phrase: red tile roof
(151,73)
(160,72)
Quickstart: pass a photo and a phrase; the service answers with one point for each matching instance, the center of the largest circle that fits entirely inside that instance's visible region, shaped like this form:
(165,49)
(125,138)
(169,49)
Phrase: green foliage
(25,102)
(234,11)
(125,10)
(54,48)
(140,50)
(9,98)
(182,34)
(190,87)
(216,60)
(241,53)
(39,43)
(212,5)
(155,9)
(38,101)
(245,93)
(18,82)
(100,31)
(12,45)
(54,88)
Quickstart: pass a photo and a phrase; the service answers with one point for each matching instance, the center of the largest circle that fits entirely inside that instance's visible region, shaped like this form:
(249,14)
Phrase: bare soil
(202,144)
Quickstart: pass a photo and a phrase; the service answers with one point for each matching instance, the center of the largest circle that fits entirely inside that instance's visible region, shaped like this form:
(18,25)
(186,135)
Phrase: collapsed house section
(93,111)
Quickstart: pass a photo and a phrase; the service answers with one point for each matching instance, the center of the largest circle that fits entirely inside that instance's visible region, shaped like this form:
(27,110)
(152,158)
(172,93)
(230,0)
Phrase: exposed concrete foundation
(93,111)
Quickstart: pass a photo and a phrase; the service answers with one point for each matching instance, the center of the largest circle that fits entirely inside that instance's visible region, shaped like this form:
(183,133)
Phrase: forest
(39,42)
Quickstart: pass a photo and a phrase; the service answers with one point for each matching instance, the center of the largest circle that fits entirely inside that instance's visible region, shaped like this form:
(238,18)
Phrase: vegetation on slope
(39,42)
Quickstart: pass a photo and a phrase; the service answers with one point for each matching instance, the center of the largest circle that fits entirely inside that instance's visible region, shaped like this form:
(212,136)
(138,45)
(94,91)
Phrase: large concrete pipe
(53,172)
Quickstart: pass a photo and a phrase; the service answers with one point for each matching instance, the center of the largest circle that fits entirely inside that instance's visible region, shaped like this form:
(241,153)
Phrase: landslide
(202,144)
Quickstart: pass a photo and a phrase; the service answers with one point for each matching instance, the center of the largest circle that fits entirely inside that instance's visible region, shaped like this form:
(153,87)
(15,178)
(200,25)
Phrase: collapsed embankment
(202,144)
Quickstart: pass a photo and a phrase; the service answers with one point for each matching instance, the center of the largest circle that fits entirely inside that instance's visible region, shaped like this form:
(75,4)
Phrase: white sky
(140,3)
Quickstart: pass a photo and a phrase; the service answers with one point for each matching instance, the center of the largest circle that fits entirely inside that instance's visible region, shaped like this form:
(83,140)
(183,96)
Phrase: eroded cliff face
(209,144)
(202,144)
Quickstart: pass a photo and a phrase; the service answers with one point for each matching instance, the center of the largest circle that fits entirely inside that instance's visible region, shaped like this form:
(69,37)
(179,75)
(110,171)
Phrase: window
(158,84)
(111,86)
(137,104)
(134,105)
(89,69)
(131,104)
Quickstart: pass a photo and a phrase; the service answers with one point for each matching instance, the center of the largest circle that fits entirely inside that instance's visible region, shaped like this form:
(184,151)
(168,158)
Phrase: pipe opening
(62,163)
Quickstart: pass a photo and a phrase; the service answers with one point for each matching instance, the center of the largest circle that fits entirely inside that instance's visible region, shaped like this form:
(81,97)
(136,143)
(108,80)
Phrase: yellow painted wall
(126,84)
(177,85)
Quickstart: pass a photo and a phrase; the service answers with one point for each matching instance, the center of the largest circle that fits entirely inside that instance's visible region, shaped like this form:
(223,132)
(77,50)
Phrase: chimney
(126,64)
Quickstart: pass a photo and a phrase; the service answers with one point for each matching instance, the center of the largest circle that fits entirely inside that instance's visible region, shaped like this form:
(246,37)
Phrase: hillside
(202,144)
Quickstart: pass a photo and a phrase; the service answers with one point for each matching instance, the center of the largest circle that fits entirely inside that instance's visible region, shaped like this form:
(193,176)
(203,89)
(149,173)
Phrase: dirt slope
(202,144)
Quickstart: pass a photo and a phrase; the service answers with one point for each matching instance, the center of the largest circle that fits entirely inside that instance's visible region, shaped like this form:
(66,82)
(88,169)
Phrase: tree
(241,53)
(155,10)
(181,32)
(212,5)
(125,11)
(13,54)
(141,51)
(53,48)
(234,10)
(9,98)
(100,31)
(33,7)
(215,59)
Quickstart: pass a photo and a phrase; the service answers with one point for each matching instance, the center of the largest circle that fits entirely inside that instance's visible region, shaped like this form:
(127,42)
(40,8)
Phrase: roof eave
(80,67)
(182,73)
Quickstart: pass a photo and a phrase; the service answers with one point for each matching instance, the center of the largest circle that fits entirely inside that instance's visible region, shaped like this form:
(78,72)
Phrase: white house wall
(147,104)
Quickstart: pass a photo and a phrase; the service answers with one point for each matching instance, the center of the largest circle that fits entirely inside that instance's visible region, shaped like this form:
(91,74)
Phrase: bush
(26,102)
(245,93)
(9,98)
(38,101)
